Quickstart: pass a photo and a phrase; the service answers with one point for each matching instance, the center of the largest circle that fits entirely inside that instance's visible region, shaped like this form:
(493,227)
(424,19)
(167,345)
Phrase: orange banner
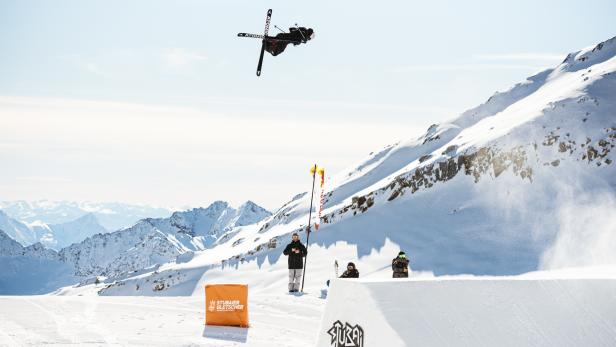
(226,304)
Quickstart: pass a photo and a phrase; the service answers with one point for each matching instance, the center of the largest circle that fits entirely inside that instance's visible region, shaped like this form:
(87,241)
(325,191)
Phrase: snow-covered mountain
(218,218)
(522,182)
(112,216)
(62,235)
(19,231)
(55,236)
(155,241)
(12,248)
(31,270)
(8,246)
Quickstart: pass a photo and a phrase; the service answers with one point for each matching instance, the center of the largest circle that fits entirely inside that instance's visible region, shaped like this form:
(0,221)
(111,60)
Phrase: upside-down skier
(296,36)
(277,44)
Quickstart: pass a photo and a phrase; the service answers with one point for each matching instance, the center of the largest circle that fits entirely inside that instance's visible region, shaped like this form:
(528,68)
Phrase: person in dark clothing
(400,266)
(351,272)
(295,36)
(296,252)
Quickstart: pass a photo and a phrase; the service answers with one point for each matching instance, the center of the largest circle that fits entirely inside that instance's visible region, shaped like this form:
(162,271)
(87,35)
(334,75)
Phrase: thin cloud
(466,67)
(44,179)
(85,64)
(176,58)
(143,142)
(93,68)
(522,56)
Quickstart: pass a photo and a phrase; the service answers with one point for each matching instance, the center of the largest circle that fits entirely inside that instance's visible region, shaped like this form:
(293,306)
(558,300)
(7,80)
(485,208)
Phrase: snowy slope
(524,181)
(112,216)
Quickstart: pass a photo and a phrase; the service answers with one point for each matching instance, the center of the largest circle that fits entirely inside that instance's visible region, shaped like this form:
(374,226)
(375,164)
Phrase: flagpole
(314,174)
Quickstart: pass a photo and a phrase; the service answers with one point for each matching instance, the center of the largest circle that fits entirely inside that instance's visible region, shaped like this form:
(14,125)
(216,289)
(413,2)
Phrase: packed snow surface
(276,320)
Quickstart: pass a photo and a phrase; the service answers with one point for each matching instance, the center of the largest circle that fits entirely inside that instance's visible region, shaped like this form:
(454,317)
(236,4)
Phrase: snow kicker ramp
(470,312)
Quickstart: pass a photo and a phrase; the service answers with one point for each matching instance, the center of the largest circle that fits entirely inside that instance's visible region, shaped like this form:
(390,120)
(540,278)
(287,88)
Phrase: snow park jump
(513,311)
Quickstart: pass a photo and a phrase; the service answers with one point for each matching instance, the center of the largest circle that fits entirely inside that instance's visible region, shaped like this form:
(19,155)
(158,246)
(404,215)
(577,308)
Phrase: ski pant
(295,279)
(401,274)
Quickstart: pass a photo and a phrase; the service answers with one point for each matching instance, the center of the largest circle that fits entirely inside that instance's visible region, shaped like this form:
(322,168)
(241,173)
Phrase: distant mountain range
(54,236)
(86,249)
(112,216)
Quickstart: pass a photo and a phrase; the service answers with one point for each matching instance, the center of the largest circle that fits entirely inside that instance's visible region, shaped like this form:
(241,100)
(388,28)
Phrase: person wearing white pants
(296,252)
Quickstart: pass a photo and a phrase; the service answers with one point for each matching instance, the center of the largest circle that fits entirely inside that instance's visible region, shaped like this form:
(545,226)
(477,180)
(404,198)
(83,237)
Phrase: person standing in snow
(400,266)
(296,252)
(351,272)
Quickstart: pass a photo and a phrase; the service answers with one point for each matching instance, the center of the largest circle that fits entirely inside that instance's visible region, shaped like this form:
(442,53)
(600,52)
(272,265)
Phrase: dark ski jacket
(400,267)
(294,36)
(350,274)
(296,260)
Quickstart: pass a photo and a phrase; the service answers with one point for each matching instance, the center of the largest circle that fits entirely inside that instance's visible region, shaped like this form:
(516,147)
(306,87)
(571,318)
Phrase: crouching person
(351,272)
(400,266)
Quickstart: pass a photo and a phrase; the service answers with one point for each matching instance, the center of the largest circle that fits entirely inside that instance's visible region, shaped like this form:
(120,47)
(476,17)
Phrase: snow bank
(506,311)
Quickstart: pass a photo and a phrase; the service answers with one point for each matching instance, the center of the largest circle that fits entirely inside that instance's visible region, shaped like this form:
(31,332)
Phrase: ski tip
(269,11)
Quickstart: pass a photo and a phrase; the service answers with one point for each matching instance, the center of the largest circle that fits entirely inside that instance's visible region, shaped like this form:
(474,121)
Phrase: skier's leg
(298,279)
(291,278)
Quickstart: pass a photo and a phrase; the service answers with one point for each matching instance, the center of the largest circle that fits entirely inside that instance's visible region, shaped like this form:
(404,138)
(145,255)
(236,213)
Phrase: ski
(336,267)
(256,36)
(266,38)
(261,58)
(267,24)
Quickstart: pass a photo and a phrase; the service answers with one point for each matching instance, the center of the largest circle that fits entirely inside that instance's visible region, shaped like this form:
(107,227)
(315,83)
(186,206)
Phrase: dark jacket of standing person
(400,266)
(351,272)
(296,252)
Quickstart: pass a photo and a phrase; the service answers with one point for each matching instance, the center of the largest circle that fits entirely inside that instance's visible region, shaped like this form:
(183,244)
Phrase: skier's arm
(287,250)
(304,251)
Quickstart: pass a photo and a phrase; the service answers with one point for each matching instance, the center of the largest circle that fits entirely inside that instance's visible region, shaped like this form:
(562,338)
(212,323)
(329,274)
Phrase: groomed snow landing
(276,319)
(508,311)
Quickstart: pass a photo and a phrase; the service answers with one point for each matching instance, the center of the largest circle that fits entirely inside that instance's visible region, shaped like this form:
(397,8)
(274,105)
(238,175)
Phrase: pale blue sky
(158,102)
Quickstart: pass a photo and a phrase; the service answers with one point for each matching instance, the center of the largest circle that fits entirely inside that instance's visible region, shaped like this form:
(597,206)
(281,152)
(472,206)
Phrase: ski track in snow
(276,320)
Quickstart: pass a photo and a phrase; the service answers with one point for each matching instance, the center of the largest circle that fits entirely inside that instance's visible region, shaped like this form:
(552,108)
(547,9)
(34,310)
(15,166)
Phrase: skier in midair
(400,266)
(277,44)
(296,36)
(296,252)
